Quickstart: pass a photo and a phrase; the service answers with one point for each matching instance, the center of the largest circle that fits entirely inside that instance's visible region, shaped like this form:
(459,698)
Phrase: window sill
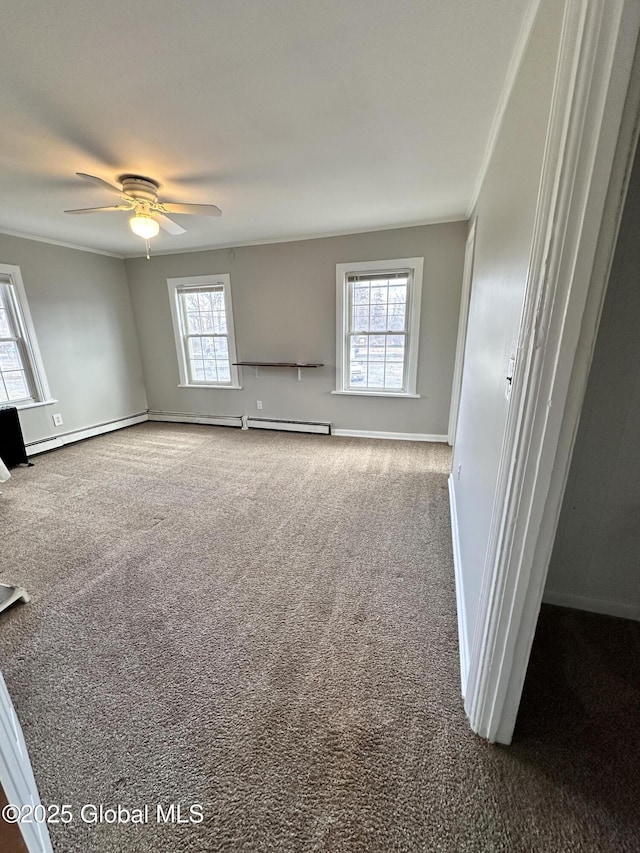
(31,405)
(402,396)
(216,387)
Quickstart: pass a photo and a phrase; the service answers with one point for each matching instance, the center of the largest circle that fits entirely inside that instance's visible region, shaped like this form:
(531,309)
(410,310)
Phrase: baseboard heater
(289,426)
(187,418)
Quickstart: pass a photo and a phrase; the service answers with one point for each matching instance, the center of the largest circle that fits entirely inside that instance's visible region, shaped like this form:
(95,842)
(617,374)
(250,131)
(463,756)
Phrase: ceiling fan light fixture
(144,226)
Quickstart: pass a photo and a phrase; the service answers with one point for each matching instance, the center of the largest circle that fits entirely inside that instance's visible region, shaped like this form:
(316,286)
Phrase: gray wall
(82,315)
(595,563)
(505,210)
(284,302)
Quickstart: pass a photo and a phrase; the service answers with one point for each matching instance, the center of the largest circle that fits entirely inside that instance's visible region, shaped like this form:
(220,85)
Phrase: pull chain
(148,252)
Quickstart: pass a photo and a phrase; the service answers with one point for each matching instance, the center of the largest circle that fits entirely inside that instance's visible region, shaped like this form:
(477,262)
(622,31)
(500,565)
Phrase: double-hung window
(203,326)
(22,378)
(378,327)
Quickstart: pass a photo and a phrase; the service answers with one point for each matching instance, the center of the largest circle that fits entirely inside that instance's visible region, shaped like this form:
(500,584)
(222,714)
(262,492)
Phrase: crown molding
(462,217)
(36,239)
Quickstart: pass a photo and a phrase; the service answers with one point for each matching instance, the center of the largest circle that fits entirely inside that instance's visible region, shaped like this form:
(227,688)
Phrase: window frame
(27,341)
(178,286)
(343,304)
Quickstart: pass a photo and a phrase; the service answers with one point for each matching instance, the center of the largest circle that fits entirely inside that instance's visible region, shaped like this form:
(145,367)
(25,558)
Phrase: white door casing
(16,774)
(565,278)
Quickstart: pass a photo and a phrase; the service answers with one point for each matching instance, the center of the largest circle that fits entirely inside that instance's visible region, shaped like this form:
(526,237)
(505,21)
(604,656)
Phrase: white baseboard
(462,618)
(621,609)
(35,447)
(195,418)
(395,436)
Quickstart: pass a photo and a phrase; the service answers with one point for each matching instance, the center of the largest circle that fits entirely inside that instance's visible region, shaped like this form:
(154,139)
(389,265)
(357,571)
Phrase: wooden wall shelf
(298,365)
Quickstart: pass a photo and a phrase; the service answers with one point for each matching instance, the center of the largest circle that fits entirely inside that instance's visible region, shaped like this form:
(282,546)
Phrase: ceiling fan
(139,196)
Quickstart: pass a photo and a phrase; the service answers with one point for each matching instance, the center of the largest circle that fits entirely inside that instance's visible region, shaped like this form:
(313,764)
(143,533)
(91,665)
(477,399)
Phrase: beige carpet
(264,623)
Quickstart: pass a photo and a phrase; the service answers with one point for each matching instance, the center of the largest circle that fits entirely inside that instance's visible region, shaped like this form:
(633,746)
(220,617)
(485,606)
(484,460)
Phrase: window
(203,327)
(378,327)
(22,378)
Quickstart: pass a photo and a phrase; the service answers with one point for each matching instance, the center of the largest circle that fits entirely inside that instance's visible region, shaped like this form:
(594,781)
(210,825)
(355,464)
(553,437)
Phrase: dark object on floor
(12,450)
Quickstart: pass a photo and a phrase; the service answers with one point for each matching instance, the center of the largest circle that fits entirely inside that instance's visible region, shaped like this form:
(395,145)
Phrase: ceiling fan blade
(99,209)
(100,182)
(198,209)
(169,225)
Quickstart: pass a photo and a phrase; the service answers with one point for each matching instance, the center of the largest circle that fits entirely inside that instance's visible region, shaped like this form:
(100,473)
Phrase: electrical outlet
(57,420)
(258,404)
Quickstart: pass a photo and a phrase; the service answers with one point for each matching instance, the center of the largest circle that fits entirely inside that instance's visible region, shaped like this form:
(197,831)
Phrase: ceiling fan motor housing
(140,188)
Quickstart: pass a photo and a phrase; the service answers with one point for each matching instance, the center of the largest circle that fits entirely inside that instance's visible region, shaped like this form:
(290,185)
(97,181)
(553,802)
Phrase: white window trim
(413,324)
(42,392)
(174,284)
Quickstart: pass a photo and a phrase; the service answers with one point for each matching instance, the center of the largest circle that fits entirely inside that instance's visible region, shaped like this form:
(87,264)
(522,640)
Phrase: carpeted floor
(264,623)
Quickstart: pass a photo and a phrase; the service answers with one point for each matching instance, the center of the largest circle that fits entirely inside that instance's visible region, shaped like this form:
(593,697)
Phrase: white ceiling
(296,117)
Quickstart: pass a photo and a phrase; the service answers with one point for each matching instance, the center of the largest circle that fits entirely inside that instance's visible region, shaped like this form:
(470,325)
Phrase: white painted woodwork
(506,213)
(16,774)
(593,72)
(594,565)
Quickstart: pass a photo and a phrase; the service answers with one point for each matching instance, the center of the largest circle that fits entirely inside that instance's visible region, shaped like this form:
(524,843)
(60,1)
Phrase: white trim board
(594,69)
(463,641)
(53,442)
(607,607)
(35,364)
(17,774)
(415,269)
(195,418)
(395,436)
(177,288)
